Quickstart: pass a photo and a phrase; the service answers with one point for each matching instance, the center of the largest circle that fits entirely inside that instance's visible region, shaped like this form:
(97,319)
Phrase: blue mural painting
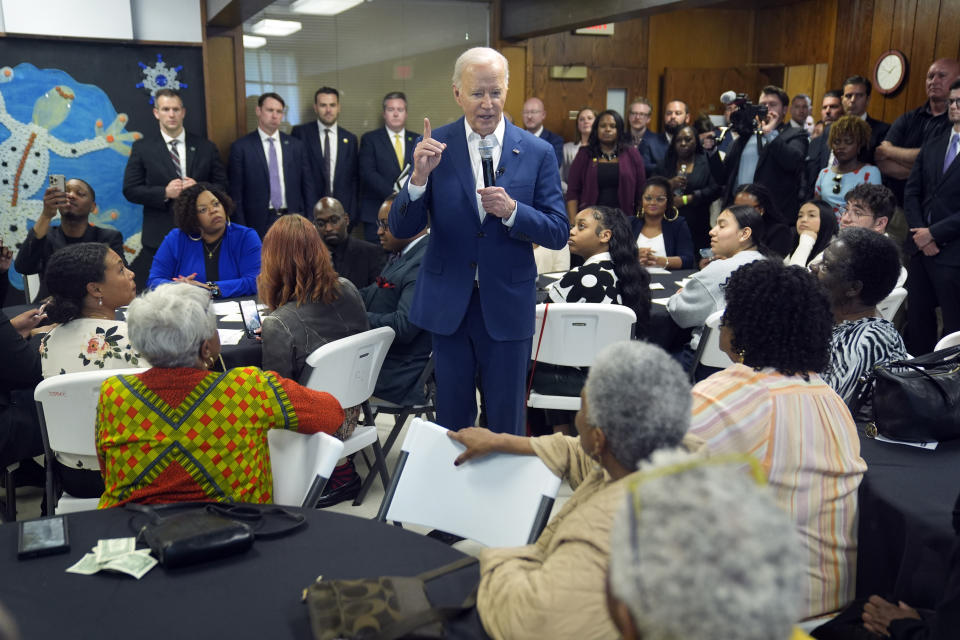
(50,124)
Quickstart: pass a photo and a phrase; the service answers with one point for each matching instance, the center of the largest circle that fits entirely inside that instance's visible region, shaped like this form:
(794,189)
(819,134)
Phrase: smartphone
(43,537)
(57,182)
(706,253)
(251,317)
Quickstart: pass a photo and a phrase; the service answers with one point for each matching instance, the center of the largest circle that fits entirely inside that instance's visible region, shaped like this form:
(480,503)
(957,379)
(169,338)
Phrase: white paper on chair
(662,301)
(654,286)
(920,445)
(230,336)
(226,308)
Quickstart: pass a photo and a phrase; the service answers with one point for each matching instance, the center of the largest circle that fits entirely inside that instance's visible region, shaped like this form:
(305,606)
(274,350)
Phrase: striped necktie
(175,156)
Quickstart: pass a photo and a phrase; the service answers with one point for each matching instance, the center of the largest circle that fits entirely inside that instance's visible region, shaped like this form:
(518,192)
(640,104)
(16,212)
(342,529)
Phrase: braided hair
(633,281)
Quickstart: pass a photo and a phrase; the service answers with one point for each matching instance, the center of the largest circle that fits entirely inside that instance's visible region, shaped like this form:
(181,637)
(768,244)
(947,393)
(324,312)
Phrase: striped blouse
(802,434)
(859,346)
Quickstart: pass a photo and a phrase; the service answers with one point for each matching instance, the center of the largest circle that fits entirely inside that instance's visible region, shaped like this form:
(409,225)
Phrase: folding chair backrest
(301,464)
(712,356)
(348,368)
(576,331)
(67,405)
(889,306)
(948,340)
(31,287)
(498,500)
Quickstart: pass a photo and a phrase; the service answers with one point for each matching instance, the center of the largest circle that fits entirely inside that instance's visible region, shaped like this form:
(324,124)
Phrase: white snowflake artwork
(160,76)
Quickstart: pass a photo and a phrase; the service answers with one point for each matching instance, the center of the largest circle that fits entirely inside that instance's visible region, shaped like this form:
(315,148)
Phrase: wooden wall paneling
(821,78)
(948,31)
(901,37)
(851,52)
(226,103)
(796,33)
(701,88)
(516,94)
(923,48)
(562,96)
(881,37)
(800,78)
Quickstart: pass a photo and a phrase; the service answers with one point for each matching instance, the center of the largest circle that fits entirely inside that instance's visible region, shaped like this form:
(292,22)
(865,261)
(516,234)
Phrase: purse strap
(427,576)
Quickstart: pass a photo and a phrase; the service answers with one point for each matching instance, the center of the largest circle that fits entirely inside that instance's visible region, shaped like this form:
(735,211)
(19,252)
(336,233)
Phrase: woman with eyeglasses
(848,138)
(661,233)
(206,249)
(773,405)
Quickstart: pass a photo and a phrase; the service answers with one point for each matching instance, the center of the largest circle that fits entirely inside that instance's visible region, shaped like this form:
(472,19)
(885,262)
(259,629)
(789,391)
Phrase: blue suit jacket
(344,174)
(557,143)
(238,263)
(460,246)
(379,169)
(250,180)
(653,148)
(676,239)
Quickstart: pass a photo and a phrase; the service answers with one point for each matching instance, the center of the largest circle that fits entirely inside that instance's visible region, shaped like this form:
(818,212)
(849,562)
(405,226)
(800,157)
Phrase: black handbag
(916,400)
(208,531)
(382,608)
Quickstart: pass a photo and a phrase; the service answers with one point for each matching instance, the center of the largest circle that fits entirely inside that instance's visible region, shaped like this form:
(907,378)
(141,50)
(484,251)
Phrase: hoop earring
(740,355)
(641,214)
(676,214)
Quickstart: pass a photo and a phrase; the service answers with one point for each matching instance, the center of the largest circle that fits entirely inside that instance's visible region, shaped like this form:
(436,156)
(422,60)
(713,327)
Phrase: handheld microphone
(486,161)
(728,96)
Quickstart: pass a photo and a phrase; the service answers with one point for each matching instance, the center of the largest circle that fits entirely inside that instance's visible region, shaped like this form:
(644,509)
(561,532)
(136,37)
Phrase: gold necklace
(210,252)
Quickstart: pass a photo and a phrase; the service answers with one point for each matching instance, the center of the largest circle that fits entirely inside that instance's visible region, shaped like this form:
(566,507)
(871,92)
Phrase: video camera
(744,119)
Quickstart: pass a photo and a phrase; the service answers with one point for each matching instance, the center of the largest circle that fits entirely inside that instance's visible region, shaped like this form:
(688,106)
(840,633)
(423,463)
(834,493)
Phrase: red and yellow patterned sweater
(176,435)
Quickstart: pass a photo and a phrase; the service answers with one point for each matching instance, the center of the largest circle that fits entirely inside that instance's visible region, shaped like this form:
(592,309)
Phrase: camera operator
(767,151)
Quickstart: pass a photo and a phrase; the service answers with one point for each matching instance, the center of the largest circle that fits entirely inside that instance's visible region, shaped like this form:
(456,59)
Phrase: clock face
(890,72)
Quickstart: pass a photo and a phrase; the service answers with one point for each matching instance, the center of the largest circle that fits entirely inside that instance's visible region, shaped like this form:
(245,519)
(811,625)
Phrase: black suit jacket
(34,253)
(150,169)
(388,302)
(652,148)
(379,169)
(557,143)
(779,169)
(345,184)
(357,260)
(250,180)
(932,199)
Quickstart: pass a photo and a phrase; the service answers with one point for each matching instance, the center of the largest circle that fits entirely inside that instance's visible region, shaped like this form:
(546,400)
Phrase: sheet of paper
(232,317)
(225,308)
(657,271)
(654,286)
(662,301)
(230,336)
(930,446)
(683,283)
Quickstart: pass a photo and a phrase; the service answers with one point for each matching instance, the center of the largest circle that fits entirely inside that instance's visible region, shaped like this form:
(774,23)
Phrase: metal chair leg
(379,464)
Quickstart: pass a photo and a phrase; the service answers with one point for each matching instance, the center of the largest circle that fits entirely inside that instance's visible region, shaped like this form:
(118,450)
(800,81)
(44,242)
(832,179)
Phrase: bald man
(356,260)
(897,153)
(534,113)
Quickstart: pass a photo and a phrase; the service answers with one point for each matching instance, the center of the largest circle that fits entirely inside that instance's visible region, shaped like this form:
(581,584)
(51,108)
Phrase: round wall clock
(890,72)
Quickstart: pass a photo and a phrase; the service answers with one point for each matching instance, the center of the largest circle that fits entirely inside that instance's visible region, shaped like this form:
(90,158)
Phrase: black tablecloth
(254,595)
(906,532)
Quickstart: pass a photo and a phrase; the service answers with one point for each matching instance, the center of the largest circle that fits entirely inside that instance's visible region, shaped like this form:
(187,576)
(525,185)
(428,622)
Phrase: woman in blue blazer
(661,234)
(206,249)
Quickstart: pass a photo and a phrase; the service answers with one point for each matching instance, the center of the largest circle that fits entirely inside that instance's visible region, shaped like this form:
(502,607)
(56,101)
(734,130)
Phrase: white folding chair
(67,406)
(574,333)
(402,412)
(889,306)
(949,340)
(708,350)
(301,464)
(348,369)
(499,500)
(31,287)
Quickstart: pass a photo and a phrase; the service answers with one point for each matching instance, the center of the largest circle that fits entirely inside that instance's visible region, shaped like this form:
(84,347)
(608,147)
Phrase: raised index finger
(426,128)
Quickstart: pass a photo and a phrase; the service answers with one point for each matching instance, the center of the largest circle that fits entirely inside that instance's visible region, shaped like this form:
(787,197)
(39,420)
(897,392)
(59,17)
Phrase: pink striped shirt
(806,441)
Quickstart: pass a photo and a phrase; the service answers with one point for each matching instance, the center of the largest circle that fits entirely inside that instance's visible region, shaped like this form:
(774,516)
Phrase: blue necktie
(273,165)
(951,151)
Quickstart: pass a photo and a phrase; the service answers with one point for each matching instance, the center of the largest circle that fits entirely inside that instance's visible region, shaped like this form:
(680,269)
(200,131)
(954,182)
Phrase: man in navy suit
(332,149)
(154,178)
(534,114)
(384,152)
(930,204)
(270,172)
(476,290)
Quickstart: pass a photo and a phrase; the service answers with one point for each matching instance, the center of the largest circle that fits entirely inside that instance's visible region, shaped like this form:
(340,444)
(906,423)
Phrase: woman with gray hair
(636,400)
(181,432)
(667,579)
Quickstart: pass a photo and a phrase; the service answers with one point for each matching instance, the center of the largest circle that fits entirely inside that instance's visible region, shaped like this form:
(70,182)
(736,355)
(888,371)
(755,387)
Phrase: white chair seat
(566,403)
(361,438)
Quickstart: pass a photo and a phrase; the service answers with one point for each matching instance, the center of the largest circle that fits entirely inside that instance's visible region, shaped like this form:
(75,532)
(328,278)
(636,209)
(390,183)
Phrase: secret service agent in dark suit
(779,168)
(256,205)
(653,147)
(379,170)
(326,102)
(931,200)
(476,290)
(356,260)
(388,302)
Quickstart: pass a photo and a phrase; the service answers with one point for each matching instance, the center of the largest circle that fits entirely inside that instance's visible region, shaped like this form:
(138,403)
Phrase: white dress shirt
(266,153)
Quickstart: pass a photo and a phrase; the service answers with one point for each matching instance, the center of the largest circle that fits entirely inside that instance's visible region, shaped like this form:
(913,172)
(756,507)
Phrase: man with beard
(356,260)
(675,116)
(74,205)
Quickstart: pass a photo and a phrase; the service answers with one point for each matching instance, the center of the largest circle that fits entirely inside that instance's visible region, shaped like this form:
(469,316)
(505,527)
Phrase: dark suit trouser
(930,285)
(501,364)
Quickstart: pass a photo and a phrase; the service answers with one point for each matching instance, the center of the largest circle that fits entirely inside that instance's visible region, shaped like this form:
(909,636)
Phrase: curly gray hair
(706,553)
(168,325)
(480,55)
(639,397)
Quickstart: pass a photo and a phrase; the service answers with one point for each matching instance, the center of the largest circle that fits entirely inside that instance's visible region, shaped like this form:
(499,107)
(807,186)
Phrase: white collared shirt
(391,136)
(334,130)
(266,153)
(407,248)
(538,132)
(181,147)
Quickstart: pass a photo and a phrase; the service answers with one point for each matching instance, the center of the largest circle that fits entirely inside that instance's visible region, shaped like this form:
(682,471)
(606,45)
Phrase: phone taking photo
(58,182)
(251,317)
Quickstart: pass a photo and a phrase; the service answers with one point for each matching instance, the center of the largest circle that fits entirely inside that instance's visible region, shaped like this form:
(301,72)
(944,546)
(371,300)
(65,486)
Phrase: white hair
(705,552)
(480,56)
(639,397)
(168,325)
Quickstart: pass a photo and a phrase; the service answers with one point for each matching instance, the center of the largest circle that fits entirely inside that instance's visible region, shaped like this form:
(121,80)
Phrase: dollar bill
(112,548)
(87,565)
(135,563)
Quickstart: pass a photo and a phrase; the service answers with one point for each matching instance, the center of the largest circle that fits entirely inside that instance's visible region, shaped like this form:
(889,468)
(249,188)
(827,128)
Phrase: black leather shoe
(347,491)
